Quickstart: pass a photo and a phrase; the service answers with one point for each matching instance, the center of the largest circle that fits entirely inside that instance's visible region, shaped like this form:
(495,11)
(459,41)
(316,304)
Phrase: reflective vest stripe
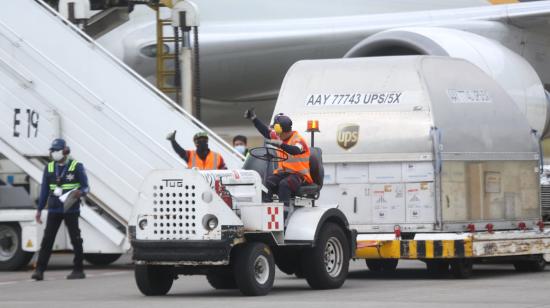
(293,159)
(66,186)
(215,165)
(303,171)
(193,159)
(72,167)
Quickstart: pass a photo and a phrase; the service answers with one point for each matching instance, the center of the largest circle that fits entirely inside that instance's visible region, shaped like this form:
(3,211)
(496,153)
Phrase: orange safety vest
(213,161)
(298,164)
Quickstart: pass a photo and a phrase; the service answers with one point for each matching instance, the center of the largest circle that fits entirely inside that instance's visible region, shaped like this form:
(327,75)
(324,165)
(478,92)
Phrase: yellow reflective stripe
(70,186)
(52,186)
(51,166)
(72,167)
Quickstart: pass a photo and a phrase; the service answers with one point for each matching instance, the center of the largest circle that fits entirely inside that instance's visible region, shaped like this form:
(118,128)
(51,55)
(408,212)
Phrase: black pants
(52,226)
(284,184)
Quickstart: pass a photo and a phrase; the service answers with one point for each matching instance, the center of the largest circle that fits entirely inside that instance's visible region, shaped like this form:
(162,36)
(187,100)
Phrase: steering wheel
(264,153)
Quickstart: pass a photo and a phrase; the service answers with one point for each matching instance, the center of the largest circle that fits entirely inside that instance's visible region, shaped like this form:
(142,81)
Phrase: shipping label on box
(385,173)
(388,203)
(420,202)
(418,171)
(352,173)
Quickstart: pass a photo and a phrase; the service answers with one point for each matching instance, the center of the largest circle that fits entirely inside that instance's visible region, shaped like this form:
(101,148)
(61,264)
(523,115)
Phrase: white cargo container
(442,157)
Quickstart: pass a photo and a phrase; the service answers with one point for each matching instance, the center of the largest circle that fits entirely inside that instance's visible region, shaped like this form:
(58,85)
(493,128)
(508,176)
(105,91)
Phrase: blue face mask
(240,148)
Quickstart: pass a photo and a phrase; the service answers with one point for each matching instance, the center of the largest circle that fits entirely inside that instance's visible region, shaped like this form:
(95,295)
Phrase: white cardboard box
(352,173)
(420,202)
(418,171)
(388,203)
(385,173)
(263,217)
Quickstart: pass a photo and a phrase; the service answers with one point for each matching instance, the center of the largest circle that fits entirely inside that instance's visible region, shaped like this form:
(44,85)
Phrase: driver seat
(317,171)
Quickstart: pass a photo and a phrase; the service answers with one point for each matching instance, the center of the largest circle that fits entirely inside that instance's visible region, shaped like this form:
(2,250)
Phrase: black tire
(254,268)
(322,273)
(437,267)
(101,258)
(12,255)
(154,280)
(535,264)
(221,279)
(462,268)
(287,260)
(386,265)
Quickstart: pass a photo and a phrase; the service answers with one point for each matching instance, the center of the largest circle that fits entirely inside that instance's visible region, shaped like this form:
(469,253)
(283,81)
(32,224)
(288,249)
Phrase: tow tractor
(214,223)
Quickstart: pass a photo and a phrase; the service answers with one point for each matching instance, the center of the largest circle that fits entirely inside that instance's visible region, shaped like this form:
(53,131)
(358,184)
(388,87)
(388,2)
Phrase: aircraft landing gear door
(354,193)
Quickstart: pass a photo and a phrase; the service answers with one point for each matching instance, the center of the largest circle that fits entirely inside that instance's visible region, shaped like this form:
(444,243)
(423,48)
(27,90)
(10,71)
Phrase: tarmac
(410,286)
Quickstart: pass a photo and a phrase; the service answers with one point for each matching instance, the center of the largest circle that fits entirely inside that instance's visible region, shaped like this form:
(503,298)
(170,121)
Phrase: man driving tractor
(292,172)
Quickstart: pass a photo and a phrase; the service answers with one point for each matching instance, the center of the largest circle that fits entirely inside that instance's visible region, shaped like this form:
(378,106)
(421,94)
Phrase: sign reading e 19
(25,120)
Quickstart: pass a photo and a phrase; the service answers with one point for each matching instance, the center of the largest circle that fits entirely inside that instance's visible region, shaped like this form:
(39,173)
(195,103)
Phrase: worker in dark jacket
(64,182)
(202,157)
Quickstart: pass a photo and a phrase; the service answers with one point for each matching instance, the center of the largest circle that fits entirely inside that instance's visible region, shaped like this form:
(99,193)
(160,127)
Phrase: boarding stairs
(55,81)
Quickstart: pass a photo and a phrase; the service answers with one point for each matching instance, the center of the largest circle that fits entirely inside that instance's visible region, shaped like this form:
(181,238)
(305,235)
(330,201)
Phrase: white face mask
(57,155)
(240,148)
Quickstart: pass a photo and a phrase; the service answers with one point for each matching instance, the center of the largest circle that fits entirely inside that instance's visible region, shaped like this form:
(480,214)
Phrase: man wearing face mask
(62,177)
(239,144)
(290,174)
(202,158)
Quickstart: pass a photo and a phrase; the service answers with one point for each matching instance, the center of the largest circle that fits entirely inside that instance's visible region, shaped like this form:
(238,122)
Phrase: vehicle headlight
(207,196)
(210,222)
(142,223)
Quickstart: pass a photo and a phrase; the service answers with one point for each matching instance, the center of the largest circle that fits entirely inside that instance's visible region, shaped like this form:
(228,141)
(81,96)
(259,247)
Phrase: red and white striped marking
(274,217)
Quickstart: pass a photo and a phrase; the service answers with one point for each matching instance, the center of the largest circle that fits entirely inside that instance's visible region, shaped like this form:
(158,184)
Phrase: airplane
(247,46)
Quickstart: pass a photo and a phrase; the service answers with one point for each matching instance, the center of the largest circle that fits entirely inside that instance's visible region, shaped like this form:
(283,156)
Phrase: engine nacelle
(510,70)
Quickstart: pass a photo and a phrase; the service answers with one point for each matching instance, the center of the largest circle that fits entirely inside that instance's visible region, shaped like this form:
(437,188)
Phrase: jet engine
(516,76)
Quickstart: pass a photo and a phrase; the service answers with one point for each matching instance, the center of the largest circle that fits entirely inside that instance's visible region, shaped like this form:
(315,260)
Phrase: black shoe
(75,274)
(37,275)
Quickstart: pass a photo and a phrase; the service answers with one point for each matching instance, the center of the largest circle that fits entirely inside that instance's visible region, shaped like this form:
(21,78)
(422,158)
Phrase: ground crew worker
(290,174)
(240,144)
(61,175)
(202,158)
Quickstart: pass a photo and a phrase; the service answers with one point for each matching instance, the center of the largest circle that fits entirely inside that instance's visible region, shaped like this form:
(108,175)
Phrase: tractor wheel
(254,268)
(325,265)
(154,279)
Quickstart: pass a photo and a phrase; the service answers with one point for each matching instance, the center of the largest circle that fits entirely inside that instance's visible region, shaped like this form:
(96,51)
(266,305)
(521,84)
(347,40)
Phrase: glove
(275,142)
(38,216)
(171,136)
(250,114)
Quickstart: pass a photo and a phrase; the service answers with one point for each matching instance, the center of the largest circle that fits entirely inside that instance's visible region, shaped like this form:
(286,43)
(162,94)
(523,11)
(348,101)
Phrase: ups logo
(347,135)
